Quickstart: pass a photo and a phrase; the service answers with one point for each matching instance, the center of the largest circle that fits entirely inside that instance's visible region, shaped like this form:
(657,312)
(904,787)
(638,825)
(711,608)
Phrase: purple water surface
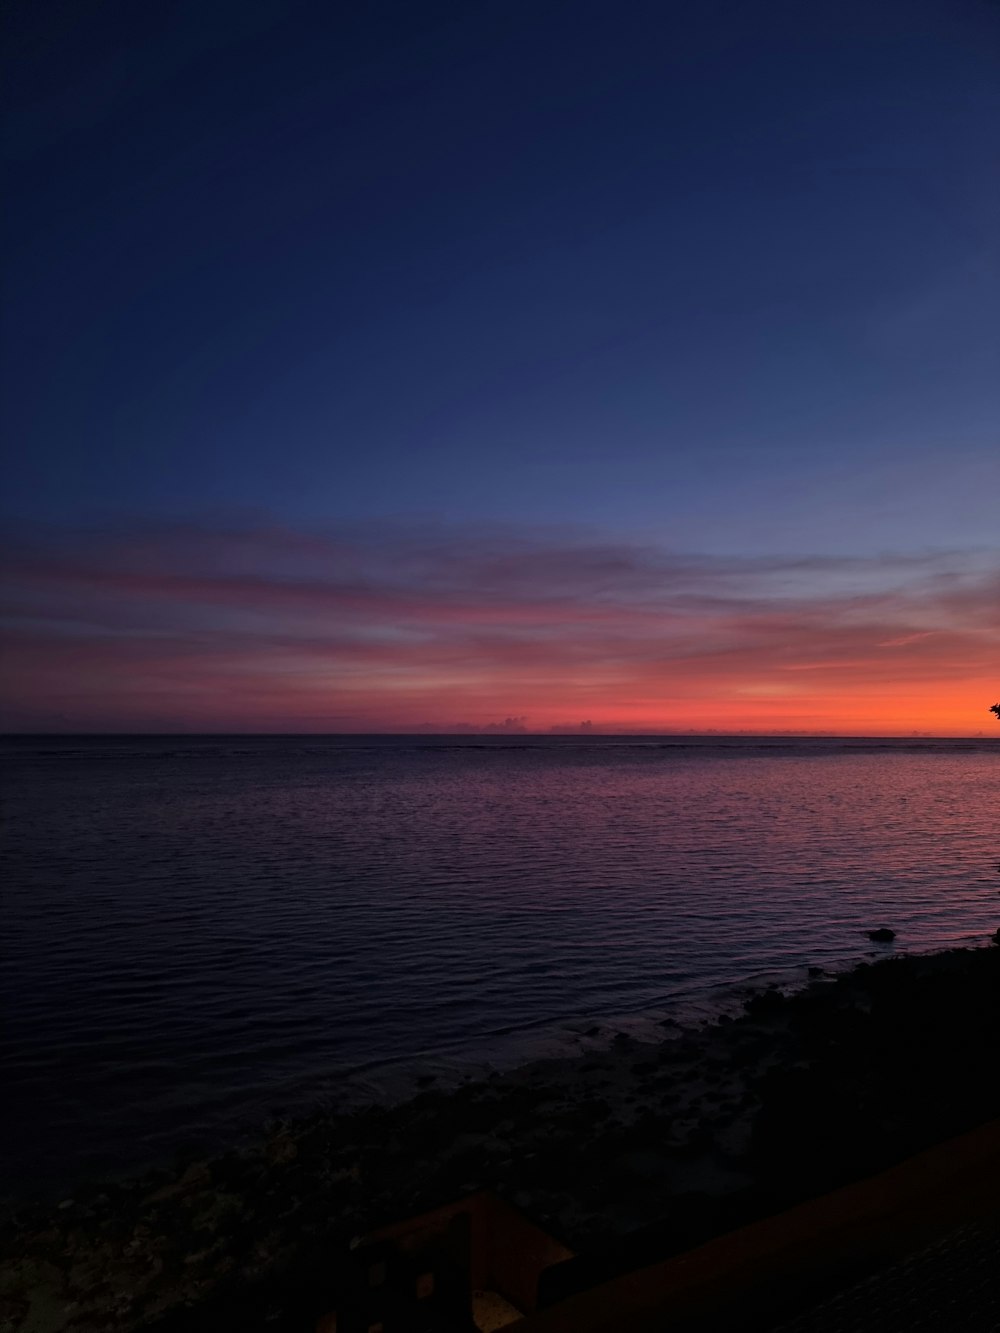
(199,929)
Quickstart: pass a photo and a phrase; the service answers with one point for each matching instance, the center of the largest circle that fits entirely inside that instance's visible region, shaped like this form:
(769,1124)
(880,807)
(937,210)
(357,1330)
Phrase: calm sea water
(200,930)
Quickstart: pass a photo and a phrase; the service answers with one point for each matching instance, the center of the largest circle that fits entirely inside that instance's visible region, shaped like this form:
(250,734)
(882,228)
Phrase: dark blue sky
(723,275)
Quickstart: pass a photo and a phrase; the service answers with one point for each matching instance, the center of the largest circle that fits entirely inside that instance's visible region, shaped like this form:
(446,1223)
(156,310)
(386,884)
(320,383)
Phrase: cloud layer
(164,627)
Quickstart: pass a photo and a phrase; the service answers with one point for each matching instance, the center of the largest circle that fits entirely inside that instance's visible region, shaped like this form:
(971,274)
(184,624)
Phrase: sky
(501,366)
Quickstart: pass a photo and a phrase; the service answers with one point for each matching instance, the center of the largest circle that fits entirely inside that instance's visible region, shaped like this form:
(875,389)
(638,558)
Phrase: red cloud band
(270,630)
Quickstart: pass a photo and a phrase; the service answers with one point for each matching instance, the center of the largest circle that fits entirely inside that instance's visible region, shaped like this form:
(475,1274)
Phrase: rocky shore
(627,1154)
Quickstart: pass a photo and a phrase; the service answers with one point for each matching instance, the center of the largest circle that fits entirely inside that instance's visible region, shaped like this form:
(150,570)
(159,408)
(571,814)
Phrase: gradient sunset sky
(501,365)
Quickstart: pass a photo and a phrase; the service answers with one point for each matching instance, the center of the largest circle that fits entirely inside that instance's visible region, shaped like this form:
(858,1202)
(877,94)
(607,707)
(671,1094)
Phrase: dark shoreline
(626,1154)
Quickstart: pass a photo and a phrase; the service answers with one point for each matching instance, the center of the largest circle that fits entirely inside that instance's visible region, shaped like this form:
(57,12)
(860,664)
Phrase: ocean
(201,932)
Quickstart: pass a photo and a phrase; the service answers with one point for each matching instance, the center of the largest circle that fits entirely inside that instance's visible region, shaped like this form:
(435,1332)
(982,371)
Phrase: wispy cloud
(395,627)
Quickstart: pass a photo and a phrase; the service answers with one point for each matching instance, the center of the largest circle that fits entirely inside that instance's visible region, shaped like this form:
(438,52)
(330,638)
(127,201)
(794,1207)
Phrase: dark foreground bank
(627,1155)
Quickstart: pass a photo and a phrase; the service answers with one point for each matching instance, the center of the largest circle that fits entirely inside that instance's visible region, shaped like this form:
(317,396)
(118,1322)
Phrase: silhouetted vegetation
(995,708)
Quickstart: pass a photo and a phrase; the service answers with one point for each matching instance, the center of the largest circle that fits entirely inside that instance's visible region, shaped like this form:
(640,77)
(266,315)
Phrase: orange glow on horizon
(102,639)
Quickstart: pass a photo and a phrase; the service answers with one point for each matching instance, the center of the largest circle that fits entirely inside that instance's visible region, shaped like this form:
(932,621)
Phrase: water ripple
(196,931)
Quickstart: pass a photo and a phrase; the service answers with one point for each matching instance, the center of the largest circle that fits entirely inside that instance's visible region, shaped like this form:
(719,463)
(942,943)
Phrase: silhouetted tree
(995,708)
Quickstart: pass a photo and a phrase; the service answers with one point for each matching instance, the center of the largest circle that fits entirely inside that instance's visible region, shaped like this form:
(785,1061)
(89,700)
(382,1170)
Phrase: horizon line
(558,733)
